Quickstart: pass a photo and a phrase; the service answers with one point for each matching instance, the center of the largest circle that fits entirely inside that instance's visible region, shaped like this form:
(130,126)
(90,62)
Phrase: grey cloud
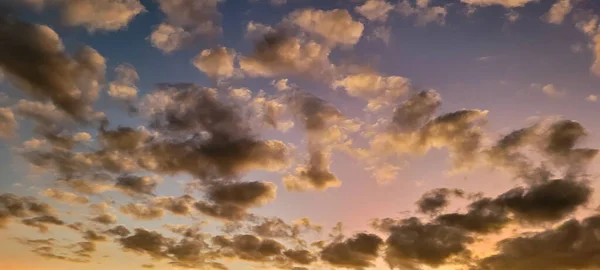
(437,199)
(412,243)
(57,73)
(572,245)
(136,185)
(357,252)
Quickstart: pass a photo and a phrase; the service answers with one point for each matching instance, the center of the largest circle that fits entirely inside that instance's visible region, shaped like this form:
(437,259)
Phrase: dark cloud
(554,141)
(416,111)
(572,245)
(461,132)
(483,216)
(412,243)
(225,212)
(357,252)
(278,52)
(93,236)
(549,201)
(41,222)
(210,139)
(243,194)
(57,75)
(300,256)
(136,185)
(120,230)
(317,117)
(249,247)
(13,206)
(436,200)
(105,219)
(123,138)
(147,242)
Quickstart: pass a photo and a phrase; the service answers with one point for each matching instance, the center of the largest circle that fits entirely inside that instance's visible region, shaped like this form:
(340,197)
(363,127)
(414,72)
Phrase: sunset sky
(299,134)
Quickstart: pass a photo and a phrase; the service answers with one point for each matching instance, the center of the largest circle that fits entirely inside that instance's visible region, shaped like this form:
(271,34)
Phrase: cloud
(412,243)
(8,123)
(65,197)
(230,149)
(278,53)
(244,194)
(124,85)
(185,21)
(551,91)
(13,206)
(249,247)
(379,91)
(300,256)
(592,98)
(100,15)
(142,211)
(424,13)
(136,185)
(105,219)
(416,111)
(334,26)
(375,10)
(549,201)
(459,131)
(558,12)
(436,200)
(555,142)
(216,63)
(146,242)
(44,114)
(383,33)
(41,222)
(319,119)
(505,3)
(483,216)
(120,230)
(568,246)
(357,252)
(71,83)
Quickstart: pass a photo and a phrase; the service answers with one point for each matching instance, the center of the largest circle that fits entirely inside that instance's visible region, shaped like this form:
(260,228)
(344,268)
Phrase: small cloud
(551,91)
(486,58)
(592,98)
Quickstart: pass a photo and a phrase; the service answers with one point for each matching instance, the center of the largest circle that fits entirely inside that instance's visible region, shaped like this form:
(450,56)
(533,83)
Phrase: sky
(299,134)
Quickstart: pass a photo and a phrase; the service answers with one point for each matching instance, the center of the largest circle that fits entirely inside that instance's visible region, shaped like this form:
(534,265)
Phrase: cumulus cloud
(568,246)
(100,15)
(278,53)
(375,10)
(71,83)
(124,85)
(412,243)
(8,123)
(65,197)
(358,252)
(231,147)
(558,12)
(423,12)
(185,21)
(334,26)
(435,200)
(505,3)
(216,63)
(319,118)
(380,91)
(461,131)
(551,91)
(136,185)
